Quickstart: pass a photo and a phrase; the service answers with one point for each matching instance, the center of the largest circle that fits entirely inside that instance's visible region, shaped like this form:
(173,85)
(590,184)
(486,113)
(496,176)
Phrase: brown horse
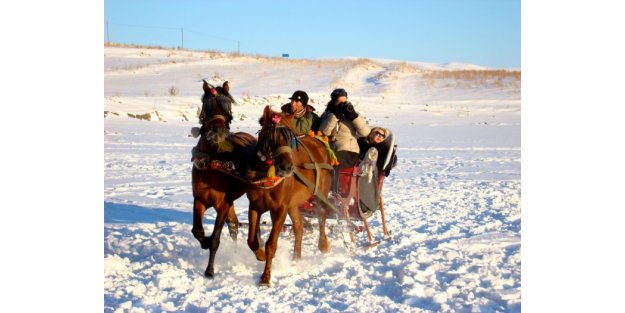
(213,177)
(303,164)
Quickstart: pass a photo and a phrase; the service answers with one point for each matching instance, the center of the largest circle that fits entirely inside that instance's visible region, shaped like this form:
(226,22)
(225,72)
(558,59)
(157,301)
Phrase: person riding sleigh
(304,116)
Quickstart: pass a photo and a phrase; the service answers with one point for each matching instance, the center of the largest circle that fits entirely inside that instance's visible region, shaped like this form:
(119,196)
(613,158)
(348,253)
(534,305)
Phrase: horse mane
(269,138)
(285,119)
(222,100)
(244,149)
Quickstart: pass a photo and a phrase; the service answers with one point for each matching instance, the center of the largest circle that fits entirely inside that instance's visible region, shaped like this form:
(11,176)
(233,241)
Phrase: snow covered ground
(453,203)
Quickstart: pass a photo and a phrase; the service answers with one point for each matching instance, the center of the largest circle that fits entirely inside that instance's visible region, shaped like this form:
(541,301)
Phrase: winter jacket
(342,132)
(309,121)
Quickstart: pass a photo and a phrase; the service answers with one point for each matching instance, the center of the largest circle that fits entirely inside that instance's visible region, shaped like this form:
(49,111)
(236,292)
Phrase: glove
(335,109)
(349,112)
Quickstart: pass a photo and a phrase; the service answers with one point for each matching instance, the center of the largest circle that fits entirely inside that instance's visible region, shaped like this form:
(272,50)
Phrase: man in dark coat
(304,116)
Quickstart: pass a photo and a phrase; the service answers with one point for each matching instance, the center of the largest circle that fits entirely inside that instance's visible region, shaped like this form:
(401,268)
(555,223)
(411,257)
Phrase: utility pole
(239,47)
(182,36)
(107,32)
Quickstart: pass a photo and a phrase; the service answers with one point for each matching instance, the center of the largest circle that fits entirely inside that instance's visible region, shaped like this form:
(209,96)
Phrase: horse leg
(298,231)
(277,221)
(213,240)
(261,243)
(198,228)
(233,223)
(324,245)
(253,237)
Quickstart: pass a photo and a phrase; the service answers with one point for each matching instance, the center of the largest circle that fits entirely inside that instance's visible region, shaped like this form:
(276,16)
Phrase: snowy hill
(453,203)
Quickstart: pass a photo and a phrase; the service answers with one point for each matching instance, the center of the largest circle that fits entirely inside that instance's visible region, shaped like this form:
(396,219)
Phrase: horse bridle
(208,128)
(284,131)
(216,117)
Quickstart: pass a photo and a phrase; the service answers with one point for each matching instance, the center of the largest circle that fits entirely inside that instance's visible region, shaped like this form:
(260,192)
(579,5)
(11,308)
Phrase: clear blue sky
(482,32)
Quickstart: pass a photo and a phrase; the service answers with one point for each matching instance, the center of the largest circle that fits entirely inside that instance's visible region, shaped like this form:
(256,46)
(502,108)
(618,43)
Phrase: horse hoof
(209,274)
(260,255)
(325,248)
(265,281)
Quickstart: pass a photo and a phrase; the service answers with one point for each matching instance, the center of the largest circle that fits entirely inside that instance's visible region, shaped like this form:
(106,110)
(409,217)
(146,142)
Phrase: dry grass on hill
(473,78)
(403,67)
(365,64)
(473,74)
(127,45)
(462,78)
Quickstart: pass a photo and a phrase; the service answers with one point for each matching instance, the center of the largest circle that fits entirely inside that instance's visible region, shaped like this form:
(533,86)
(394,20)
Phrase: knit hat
(300,96)
(339,92)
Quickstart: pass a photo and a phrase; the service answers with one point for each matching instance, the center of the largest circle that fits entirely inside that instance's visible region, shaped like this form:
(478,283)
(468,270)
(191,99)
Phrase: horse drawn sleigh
(292,175)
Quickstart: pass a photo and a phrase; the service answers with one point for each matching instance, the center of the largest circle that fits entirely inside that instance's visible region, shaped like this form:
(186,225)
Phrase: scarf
(300,113)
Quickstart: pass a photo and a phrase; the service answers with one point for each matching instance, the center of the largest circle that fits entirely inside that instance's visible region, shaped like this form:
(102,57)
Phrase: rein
(316,167)
(202,161)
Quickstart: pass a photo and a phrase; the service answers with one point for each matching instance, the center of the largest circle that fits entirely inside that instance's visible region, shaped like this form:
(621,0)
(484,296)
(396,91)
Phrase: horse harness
(204,161)
(315,166)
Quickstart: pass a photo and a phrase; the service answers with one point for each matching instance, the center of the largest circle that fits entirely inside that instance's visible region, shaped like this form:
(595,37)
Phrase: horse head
(215,116)
(276,141)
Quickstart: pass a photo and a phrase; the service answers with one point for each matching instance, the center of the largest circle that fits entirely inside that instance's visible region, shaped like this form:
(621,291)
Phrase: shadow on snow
(128,213)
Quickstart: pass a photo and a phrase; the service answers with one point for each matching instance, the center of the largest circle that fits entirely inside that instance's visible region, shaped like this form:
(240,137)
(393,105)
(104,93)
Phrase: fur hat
(300,96)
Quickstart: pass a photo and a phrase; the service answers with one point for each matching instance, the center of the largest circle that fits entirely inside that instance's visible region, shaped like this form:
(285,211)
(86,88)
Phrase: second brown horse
(303,165)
